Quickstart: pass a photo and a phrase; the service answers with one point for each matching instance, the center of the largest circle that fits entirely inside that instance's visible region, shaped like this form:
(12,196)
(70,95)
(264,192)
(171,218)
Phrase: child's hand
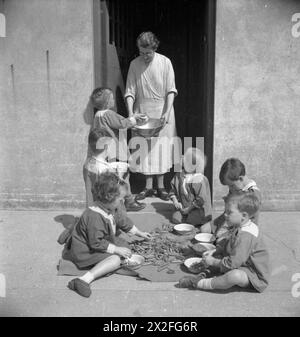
(123,251)
(210,260)
(198,202)
(145,235)
(177,205)
(186,210)
(209,253)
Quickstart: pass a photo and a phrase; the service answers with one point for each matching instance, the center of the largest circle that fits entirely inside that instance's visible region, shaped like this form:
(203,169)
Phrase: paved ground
(29,254)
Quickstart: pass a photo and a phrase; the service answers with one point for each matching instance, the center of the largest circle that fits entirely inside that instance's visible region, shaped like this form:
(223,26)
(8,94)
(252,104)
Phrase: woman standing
(150,90)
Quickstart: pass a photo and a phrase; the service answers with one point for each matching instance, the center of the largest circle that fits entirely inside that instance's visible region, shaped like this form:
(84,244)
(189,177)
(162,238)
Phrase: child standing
(233,175)
(245,259)
(190,192)
(94,242)
(99,143)
(106,118)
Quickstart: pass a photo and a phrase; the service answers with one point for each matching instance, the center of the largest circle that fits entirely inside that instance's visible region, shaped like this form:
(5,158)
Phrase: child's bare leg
(106,266)
(82,285)
(232,278)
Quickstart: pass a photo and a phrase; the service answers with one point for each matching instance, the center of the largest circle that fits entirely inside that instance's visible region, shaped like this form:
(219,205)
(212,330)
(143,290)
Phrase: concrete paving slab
(29,254)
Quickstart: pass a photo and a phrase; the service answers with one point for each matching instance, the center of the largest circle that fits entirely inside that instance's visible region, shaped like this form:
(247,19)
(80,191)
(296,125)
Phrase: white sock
(205,284)
(87,277)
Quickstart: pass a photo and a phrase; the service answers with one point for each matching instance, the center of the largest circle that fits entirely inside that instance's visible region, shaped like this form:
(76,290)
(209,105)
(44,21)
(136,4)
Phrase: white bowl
(204,237)
(191,260)
(184,228)
(134,260)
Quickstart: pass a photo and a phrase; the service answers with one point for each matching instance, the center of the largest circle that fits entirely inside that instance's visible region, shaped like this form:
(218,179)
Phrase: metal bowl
(149,129)
(204,237)
(135,261)
(188,262)
(184,228)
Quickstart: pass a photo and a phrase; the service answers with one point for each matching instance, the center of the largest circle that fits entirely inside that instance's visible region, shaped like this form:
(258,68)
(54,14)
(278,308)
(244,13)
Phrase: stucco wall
(46,73)
(46,76)
(257,97)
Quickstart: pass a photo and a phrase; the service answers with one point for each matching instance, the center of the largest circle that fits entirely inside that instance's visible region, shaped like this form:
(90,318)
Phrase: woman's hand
(123,251)
(164,119)
(141,117)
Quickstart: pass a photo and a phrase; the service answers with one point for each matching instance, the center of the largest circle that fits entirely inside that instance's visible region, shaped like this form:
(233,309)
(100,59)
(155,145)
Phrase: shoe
(82,288)
(135,206)
(146,192)
(187,282)
(190,282)
(162,194)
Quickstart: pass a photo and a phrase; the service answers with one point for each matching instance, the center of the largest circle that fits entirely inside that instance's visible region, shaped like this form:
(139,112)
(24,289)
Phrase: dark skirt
(86,259)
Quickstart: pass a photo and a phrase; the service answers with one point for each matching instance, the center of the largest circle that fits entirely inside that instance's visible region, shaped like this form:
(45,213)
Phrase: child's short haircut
(107,188)
(233,168)
(94,136)
(100,97)
(245,202)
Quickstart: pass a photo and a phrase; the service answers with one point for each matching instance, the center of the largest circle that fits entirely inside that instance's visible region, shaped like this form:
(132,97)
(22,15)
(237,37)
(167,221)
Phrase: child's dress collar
(189,178)
(102,161)
(105,213)
(251,228)
(251,184)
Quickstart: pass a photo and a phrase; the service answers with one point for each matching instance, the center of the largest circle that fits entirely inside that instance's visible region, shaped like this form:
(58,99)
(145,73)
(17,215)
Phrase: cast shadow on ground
(163,208)
(235,289)
(67,220)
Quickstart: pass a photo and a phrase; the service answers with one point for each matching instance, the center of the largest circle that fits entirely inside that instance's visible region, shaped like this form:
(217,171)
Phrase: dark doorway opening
(186,29)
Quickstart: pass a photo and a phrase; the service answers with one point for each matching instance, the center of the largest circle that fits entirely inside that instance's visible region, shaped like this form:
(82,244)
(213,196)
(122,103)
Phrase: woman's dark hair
(233,168)
(147,40)
(107,187)
(94,135)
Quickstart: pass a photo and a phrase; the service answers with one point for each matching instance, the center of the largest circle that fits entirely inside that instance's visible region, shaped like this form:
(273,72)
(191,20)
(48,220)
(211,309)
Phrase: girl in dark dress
(94,241)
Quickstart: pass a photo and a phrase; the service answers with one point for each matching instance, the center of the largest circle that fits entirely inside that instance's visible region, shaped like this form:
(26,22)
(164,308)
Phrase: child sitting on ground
(244,258)
(94,243)
(106,118)
(190,192)
(233,175)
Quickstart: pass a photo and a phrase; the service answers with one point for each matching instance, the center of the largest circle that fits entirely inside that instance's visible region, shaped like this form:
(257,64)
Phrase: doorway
(186,30)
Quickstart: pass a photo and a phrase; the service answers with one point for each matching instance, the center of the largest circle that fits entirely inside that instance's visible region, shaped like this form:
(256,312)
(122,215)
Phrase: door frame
(100,57)
(210,85)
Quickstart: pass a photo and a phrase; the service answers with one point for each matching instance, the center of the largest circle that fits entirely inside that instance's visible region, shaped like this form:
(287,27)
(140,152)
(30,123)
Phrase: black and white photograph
(149,161)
